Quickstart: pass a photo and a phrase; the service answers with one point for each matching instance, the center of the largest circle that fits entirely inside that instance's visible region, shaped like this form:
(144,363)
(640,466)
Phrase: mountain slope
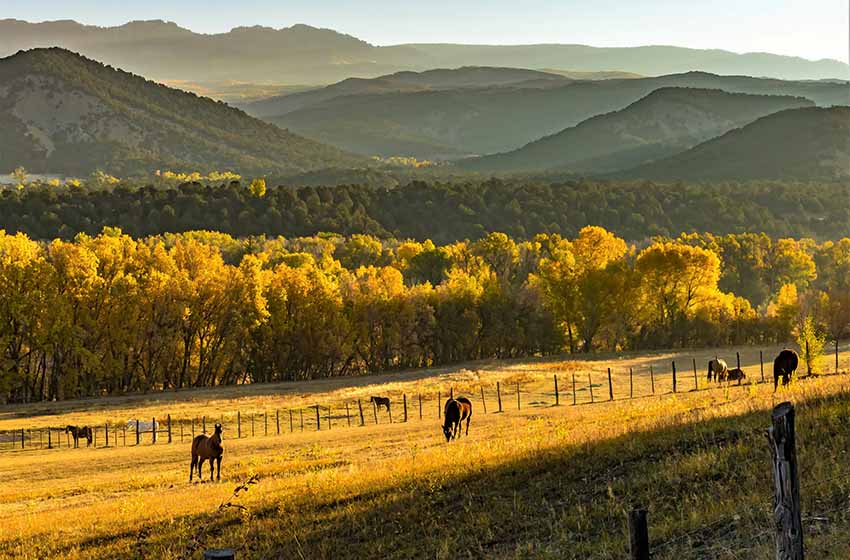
(804,144)
(472,121)
(305,55)
(429,80)
(667,121)
(63,113)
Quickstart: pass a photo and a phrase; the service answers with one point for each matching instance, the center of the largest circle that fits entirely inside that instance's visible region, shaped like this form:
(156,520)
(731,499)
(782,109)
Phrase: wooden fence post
(483,400)
(277,420)
(169,431)
(137,432)
(836,355)
(106,426)
(590,386)
(181,431)
(193,429)
(330,411)
(610,386)
(557,397)
(301,414)
(49,439)
(518,403)
(439,403)
(574,389)
(652,378)
(638,535)
(761,364)
(631,384)
(808,360)
(375,411)
(360,406)
(318,427)
(405,406)
(451,391)
(499,394)
(265,423)
(420,406)
(674,377)
(22,438)
(153,430)
(696,383)
(786,482)
(238,424)
(252,424)
(347,414)
(94,436)
(291,423)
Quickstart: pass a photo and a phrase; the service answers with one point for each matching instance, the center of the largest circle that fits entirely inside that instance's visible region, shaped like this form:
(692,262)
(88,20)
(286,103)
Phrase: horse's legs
(212,468)
(468,418)
(218,467)
(200,467)
(192,466)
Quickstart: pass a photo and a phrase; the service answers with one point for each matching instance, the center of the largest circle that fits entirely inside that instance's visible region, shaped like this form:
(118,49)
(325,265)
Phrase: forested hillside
(112,314)
(63,113)
(442,212)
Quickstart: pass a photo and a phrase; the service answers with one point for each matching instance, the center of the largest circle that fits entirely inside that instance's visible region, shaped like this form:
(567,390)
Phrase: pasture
(538,481)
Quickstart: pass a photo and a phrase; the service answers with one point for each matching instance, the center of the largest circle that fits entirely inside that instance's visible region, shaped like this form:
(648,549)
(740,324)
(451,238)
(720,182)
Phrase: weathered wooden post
(181,431)
(483,400)
(518,403)
(193,429)
(638,535)
(328,418)
(360,406)
(22,438)
(574,389)
(761,364)
(786,483)
(631,384)
(252,423)
(277,420)
(168,420)
(420,406)
(590,386)
(696,383)
(265,423)
(375,411)
(610,386)
(124,435)
(557,397)
(499,394)
(451,391)
(138,436)
(439,403)
(153,430)
(106,427)
(49,439)
(318,427)
(405,406)
(238,424)
(674,377)
(347,414)
(94,436)
(291,423)
(301,414)
(204,424)
(808,360)
(652,378)
(836,355)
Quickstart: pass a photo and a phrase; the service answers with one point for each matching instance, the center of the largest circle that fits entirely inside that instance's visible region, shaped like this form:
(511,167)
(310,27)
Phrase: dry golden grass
(538,482)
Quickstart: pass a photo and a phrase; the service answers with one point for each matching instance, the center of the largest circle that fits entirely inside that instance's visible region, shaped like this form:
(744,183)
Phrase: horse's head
(218,430)
(447,431)
(70,429)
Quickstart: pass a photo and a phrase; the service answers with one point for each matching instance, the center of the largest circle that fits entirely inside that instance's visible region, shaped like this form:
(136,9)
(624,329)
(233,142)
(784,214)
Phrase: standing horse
(784,366)
(381,401)
(736,374)
(207,448)
(455,412)
(77,433)
(718,369)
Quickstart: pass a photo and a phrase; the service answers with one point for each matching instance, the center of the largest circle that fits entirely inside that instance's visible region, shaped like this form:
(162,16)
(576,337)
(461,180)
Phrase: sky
(811,29)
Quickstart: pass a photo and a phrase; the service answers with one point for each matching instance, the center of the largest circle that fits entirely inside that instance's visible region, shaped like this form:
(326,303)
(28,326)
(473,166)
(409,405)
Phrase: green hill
(446,124)
(666,122)
(798,144)
(63,113)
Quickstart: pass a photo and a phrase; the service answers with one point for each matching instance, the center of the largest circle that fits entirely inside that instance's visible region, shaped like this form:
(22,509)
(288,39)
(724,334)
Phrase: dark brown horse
(77,433)
(454,413)
(784,366)
(381,401)
(207,448)
(735,374)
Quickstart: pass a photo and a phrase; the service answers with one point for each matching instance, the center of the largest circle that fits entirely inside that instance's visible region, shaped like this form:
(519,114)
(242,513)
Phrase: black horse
(784,366)
(77,433)
(455,412)
(381,401)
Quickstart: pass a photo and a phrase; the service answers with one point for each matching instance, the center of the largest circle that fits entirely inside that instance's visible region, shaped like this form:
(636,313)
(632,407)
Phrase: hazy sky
(809,28)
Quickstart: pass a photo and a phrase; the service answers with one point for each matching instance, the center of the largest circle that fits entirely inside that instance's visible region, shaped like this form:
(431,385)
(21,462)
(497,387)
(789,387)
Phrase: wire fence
(592,387)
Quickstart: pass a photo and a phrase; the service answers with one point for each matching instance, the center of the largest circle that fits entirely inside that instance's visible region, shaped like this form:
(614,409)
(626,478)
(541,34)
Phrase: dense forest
(421,210)
(110,314)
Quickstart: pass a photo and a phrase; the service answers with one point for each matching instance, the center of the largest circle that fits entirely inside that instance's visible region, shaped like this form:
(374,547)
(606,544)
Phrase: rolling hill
(803,144)
(453,123)
(306,55)
(63,113)
(429,80)
(666,122)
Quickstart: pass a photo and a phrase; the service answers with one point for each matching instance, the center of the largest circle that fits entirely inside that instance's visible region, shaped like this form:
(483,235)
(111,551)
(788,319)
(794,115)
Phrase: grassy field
(538,482)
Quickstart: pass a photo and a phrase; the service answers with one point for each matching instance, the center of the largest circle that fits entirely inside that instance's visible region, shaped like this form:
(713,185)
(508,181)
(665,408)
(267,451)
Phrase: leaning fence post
(405,406)
(557,397)
(638,535)
(696,383)
(674,377)
(347,414)
(499,394)
(574,389)
(610,386)
(360,406)
(169,431)
(590,386)
(652,378)
(761,364)
(786,484)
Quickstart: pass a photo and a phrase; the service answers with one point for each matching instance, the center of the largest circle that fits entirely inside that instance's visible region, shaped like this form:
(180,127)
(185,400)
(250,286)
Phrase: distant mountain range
(436,123)
(306,55)
(805,144)
(665,122)
(63,113)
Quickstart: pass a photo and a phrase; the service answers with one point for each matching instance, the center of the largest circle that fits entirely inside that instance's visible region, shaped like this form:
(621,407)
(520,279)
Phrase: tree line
(114,314)
(442,212)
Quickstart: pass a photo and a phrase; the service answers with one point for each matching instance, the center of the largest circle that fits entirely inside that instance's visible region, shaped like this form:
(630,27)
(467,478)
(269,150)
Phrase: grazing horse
(784,366)
(204,448)
(455,412)
(718,369)
(381,401)
(77,433)
(736,374)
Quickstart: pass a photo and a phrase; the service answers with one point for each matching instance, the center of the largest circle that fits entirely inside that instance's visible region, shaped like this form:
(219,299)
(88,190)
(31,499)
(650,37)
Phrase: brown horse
(207,448)
(77,433)
(735,374)
(784,366)
(381,401)
(454,413)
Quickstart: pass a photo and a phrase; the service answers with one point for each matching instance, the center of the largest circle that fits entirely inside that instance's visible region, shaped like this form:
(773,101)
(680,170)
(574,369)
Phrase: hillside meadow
(541,481)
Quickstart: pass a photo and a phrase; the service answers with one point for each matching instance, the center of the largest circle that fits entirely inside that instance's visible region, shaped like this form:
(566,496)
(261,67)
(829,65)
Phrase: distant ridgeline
(429,210)
(111,314)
